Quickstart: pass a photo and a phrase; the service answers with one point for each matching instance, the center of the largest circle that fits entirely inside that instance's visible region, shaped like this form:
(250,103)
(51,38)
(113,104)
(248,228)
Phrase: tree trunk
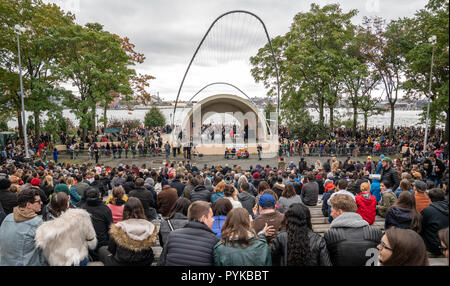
(446,127)
(92,121)
(331,118)
(433,120)
(392,121)
(355,119)
(365,122)
(37,124)
(321,105)
(105,120)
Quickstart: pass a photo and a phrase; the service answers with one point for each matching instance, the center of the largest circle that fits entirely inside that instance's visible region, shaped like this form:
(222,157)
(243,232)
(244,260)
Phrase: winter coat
(234,203)
(219,220)
(101,218)
(216,196)
(178,220)
(438,175)
(287,202)
(434,218)
(65,240)
(317,246)
(200,193)
(2,214)
(81,187)
(375,190)
(325,203)
(398,217)
(131,243)
(422,201)
(17,243)
(256,254)
(310,193)
(247,201)
(387,201)
(391,175)
(179,186)
(166,199)
(367,205)
(187,191)
(191,245)
(8,200)
(349,238)
(47,213)
(147,200)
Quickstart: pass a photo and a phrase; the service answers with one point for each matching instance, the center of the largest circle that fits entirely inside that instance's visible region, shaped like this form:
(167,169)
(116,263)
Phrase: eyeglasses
(38,201)
(443,248)
(383,245)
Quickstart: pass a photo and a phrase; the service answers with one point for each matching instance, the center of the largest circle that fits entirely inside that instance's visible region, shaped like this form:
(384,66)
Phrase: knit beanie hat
(256,175)
(35,182)
(62,188)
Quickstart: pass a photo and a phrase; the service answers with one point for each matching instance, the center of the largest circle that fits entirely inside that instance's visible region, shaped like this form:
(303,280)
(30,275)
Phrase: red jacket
(367,205)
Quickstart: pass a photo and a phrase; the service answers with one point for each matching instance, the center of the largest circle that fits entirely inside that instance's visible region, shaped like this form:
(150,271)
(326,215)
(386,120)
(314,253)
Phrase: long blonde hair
(49,180)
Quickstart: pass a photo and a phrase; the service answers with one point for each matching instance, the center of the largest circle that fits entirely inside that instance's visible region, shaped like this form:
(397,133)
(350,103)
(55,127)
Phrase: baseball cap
(387,159)
(382,156)
(266,200)
(420,185)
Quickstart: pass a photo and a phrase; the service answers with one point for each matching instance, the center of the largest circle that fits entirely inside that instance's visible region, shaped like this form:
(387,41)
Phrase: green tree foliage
(154,118)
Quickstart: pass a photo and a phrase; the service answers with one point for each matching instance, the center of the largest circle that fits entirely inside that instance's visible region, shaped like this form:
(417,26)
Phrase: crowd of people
(62,214)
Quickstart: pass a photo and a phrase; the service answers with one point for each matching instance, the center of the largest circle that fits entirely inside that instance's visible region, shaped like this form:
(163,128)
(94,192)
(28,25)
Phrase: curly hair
(298,224)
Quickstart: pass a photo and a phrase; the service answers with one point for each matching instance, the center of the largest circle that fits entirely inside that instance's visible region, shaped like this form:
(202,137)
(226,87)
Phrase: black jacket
(191,245)
(317,246)
(391,175)
(2,214)
(179,186)
(310,193)
(348,245)
(147,200)
(434,218)
(398,217)
(247,201)
(178,220)
(200,193)
(101,217)
(429,170)
(8,200)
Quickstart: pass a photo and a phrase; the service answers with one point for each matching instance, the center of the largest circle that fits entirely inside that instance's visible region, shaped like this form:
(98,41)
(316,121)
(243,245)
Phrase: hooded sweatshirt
(398,217)
(367,206)
(434,218)
(349,219)
(247,201)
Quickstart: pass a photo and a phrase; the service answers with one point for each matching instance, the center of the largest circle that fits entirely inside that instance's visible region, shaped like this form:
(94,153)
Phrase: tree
(37,56)
(433,20)
(154,118)
(386,56)
(368,106)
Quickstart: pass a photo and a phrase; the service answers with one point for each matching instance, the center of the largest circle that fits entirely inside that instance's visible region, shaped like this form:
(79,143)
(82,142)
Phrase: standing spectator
(131,239)
(422,200)
(403,214)
(195,238)
(288,197)
(299,245)
(176,219)
(268,215)
(397,245)
(443,236)
(55,155)
(370,165)
(239,245)
(146,197)
(17,232)
(349,235)
(116,203)
(435,169)
(366,203)
(220,208)
(434,218)
(166,199)
(101,217)
(8,199)
(389,173)
(388,198)
(247,200)
(310,191)
(65,240)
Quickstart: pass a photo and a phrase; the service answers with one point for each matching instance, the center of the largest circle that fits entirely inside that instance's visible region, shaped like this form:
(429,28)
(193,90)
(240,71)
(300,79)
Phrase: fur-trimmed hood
(134,234)
(66,239)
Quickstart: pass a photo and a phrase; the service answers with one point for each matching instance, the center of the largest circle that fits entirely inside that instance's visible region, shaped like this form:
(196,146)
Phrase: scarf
(384,192)
(23,214)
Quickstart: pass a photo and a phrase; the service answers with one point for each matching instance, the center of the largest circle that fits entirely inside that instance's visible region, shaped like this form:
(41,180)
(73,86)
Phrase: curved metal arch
(203,39)
(225,83)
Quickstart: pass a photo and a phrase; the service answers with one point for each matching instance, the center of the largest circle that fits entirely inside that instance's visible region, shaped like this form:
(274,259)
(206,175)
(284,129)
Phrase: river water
(402,117)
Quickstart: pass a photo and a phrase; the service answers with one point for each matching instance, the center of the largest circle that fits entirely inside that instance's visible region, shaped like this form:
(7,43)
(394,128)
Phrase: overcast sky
(169,31)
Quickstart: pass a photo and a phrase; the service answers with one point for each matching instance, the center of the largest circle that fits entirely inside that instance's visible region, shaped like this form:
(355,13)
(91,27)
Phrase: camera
(228,180)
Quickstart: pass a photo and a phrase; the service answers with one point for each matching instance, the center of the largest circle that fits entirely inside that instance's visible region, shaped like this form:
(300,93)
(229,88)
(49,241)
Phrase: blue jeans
(435,181)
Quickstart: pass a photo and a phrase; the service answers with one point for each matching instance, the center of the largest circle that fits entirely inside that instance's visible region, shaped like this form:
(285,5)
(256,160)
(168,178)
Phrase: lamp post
(432,41)
(19,30)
